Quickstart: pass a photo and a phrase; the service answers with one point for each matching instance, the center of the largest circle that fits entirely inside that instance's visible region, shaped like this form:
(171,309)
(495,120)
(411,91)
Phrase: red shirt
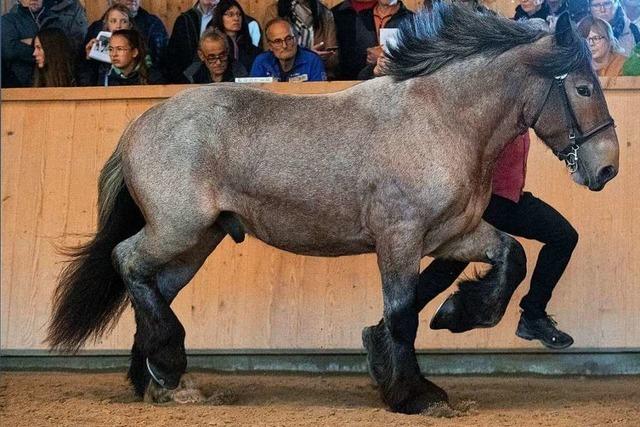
(511,169)
(359,6)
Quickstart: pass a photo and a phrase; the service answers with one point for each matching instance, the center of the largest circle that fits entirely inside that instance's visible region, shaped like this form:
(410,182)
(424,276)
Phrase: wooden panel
(252,296)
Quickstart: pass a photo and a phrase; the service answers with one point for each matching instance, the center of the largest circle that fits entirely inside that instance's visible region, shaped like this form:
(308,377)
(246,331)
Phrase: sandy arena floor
(87,399)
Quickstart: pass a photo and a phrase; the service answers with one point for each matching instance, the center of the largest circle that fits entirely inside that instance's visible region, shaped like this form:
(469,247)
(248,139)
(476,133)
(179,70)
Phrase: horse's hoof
(425,398)
(435,390)
(163,379)
(186,392)
(449,316)
(375,362)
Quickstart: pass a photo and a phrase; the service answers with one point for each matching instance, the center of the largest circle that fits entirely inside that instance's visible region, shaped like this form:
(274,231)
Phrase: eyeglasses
(595,39)
(118,49)
(233,14)
(212,59)
(603,5)
(287,41)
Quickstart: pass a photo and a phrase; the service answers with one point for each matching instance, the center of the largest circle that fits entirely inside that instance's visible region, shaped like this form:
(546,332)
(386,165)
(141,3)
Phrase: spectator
(215,64)
(355,35)
(182,49)
(117,17)
(229,18)
(313,27)
(556,8)
(286,61)
(128,65)
(385,14)
(53,58)
(150,27)
(21,24)
(623,30)
(528,9)
(632,10)
(606,54)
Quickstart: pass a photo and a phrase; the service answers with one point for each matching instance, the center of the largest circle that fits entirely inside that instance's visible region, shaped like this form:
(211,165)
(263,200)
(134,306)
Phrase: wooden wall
(249,296)
(168,10)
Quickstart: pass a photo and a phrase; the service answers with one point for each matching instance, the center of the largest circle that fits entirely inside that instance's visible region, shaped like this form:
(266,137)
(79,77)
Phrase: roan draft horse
(404,171)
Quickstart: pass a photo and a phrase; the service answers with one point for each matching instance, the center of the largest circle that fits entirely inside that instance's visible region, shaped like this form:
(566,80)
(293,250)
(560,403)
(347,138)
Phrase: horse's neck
(492,100)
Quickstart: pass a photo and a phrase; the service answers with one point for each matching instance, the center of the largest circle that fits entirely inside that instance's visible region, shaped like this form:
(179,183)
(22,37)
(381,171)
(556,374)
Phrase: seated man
(286,61)
(215,65)
(182,49)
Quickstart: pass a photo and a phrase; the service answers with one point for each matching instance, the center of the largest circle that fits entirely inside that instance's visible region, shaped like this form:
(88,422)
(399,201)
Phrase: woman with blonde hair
(116,17)
(606,54)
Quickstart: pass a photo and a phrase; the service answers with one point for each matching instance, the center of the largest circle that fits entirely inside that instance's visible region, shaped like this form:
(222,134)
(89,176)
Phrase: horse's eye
(584,90)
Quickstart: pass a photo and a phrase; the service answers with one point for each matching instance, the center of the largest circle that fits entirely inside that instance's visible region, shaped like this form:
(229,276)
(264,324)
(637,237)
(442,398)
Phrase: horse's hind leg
(170,280)
(402,386)
(481,303)
(139,259)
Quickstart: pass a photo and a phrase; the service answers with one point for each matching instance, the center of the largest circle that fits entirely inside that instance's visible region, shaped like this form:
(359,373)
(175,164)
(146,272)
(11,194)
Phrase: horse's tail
(91,295)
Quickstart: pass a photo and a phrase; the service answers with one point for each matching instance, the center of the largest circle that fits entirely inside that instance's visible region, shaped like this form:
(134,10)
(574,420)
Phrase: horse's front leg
(402,386)
(482,302)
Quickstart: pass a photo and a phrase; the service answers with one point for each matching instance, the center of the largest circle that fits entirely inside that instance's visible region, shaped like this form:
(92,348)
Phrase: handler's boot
(543,329)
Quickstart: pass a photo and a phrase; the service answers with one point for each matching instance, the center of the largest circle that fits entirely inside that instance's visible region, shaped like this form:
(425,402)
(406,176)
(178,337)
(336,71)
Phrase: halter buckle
(571,159)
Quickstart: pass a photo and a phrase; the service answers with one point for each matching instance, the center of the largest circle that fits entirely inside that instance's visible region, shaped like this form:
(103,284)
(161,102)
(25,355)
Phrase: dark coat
(18,24)
(110,77)
(183,45)
(356,32)
(198,73)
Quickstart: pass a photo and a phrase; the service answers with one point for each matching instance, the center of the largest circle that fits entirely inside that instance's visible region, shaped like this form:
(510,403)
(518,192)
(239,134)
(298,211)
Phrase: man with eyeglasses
(215,64)
(626,32)
(286,61)
(182,48)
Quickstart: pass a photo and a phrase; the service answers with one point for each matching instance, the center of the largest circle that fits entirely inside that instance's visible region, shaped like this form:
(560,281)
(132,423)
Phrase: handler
(520,214)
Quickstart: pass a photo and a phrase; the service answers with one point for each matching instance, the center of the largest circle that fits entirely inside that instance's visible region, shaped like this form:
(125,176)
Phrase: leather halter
(569,154)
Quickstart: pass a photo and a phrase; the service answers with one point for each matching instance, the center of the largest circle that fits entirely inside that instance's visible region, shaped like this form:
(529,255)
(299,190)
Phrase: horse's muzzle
(605,175)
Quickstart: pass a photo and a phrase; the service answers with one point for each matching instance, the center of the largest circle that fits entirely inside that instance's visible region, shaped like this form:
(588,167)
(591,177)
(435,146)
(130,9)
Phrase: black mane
(431,39)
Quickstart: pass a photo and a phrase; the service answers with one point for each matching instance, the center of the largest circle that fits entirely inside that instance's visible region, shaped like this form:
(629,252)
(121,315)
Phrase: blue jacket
(306,62)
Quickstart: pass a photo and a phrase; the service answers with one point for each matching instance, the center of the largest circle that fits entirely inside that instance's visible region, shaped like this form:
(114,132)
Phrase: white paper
(388,37)
(100,49)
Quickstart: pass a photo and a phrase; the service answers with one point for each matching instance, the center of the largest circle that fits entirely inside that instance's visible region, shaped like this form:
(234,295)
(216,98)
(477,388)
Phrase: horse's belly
(306,237)
(324,249)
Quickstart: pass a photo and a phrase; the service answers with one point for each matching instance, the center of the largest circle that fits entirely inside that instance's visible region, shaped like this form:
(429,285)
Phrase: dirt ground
(88,399)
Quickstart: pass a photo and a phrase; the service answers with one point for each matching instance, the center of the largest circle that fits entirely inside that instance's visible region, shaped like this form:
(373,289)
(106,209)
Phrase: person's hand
(27,41)
(89,45)
(378,70)
(373,53)
(320,50)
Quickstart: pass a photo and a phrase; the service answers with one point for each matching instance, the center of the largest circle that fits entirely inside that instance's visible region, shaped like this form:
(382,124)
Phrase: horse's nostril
(606,173)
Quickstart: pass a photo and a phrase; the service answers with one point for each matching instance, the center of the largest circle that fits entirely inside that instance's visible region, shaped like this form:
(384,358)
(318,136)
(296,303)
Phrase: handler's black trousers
(530,218)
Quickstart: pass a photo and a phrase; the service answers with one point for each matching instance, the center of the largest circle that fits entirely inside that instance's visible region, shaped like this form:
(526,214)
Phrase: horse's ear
(565,35)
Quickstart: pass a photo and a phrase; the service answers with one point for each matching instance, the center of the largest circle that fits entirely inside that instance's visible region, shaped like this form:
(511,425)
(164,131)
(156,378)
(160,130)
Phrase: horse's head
(573,119)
